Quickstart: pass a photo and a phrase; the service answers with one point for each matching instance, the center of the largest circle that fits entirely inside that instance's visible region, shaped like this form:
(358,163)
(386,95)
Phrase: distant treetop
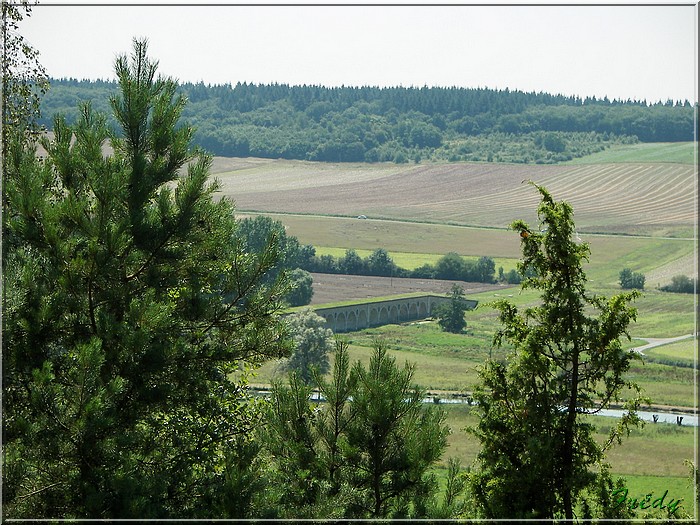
(395,124)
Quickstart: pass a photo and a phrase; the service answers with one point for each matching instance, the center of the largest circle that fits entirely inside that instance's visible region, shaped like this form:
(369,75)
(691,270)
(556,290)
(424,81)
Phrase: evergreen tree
(538,451)
(392,439)
(129,304)
(363,453)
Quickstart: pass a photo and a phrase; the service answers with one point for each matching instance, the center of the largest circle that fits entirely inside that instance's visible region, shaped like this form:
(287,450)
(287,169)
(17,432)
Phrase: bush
(451,267)
(302,288)
(451,315)
(513,277)
(681,284)
(630,279)
(312,342)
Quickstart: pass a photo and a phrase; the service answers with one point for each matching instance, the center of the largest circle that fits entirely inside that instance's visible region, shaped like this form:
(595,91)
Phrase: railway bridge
(357,316)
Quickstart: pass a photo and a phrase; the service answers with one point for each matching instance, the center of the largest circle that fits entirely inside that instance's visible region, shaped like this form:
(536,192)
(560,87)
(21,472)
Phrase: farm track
(622,198)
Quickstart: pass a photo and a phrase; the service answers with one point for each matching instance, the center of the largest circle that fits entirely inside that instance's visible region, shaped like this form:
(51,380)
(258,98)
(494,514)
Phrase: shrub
(302,288)
(681,284)
(630,279)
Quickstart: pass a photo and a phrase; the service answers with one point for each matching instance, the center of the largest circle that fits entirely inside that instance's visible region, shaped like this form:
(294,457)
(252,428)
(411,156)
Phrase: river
(688,420)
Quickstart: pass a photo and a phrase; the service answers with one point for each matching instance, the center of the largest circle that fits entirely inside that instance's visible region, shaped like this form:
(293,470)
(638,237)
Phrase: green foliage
(301,288)
(392,438)
(131,314)
(312,342)
(453,503)
(395,124)
(681,284)
(451,315)
(352,263)
(451,266)
(260,232)
(553,143)
(380,262)
(24,79)
(365,451)
(631,280)
(537,451)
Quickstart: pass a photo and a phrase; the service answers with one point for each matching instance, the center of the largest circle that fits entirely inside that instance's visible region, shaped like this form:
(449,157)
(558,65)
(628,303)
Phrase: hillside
(641,198)
(400,125)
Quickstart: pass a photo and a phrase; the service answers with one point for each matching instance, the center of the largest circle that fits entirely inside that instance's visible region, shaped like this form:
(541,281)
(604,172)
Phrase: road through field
(653,342)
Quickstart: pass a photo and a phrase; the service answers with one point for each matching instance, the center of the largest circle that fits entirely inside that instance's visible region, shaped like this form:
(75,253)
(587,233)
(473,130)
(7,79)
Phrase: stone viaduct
(391,311)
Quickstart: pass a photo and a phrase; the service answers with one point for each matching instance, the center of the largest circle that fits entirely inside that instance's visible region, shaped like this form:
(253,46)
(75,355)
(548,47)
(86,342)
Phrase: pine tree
(538,452)
(363,453)
(392,439)
(131,313)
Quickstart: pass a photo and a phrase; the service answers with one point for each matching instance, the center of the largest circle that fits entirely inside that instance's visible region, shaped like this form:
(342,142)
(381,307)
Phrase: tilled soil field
(330,288)
(621,198)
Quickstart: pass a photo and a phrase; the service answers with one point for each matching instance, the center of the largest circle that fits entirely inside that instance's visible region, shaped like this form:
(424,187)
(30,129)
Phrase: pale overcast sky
(634,51)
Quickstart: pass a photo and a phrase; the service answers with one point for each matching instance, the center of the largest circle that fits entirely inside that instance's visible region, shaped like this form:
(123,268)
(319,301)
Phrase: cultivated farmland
(630,198)
(331,288)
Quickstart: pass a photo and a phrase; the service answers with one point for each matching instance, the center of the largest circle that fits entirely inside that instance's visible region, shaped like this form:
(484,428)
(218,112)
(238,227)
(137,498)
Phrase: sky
(640,52)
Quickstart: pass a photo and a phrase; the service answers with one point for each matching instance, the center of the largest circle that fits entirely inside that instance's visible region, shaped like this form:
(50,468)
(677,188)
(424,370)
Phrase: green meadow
(666,152)
(449,362)
(684,352)
(652,458)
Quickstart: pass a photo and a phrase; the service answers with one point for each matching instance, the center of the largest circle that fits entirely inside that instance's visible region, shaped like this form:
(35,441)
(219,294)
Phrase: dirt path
(653,342)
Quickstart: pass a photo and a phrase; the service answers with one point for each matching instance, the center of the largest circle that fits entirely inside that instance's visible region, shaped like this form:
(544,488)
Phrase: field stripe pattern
(625,198)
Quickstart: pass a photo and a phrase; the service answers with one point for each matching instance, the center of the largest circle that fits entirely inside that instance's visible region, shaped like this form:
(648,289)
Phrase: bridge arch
(351,321)
(363,315)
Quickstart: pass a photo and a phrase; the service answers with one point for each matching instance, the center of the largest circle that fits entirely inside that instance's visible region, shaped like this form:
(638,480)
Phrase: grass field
(681,352)
(412,244)
(638,486)
(411,261)
(449,362)
(672,152)
(651,459)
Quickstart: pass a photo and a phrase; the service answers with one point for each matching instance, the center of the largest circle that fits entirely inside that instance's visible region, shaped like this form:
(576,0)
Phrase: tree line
(257,231)
(400,124)
(451,266)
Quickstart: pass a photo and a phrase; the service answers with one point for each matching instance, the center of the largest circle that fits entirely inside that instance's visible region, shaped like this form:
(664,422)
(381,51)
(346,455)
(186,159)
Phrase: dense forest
(399,124)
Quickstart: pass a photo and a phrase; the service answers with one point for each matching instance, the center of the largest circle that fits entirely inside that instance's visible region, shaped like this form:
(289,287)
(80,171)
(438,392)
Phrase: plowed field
(334,288)
(640,198)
